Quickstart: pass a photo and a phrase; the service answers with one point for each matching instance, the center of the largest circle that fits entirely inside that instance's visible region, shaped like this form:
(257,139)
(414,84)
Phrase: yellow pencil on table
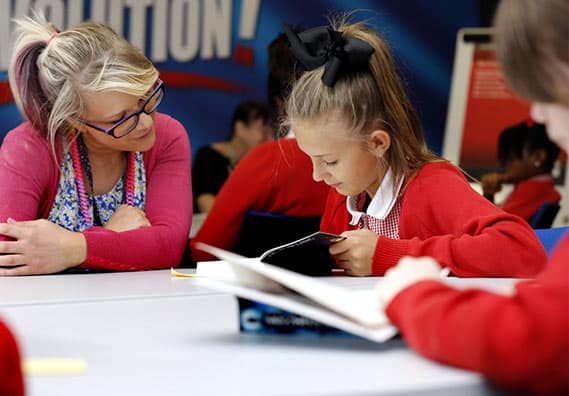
(58,366)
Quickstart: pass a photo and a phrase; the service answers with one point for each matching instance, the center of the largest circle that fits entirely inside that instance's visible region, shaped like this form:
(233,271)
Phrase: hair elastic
(51,37)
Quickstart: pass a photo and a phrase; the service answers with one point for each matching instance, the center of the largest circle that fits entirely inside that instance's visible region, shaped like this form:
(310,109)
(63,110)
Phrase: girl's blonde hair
(532,45)
(366,100)
(50,71)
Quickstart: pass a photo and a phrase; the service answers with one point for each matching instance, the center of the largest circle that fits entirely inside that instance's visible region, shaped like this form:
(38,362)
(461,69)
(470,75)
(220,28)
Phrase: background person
(274,177)
(250,126)
(527,156)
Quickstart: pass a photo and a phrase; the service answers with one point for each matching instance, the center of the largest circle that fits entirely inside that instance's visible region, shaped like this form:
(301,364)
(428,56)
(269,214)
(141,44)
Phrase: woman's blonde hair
(366,100)
(532,46)
(50,71)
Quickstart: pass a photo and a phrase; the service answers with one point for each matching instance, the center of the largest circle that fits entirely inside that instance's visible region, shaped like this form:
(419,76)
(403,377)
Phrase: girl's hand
(408,271)
(355,253)
(127,218)
(492,183)
(39,247)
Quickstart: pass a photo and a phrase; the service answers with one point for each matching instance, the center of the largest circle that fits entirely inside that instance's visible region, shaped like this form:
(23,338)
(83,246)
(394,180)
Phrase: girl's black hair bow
(324,46)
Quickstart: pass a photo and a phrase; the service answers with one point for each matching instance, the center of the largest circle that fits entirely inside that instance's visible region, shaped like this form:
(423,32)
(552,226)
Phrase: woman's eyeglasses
(123,127)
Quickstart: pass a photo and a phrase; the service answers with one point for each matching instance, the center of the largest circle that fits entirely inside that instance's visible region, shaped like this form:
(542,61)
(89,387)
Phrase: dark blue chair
(550,236)
(545,215)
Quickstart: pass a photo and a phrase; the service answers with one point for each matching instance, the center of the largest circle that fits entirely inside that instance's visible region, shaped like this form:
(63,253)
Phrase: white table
(146,333)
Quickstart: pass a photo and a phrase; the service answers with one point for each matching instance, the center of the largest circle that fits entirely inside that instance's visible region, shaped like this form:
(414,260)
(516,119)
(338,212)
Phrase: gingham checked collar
(382,201)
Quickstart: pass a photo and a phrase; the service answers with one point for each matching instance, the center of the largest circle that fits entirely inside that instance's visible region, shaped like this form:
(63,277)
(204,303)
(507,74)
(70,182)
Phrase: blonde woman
(95,177)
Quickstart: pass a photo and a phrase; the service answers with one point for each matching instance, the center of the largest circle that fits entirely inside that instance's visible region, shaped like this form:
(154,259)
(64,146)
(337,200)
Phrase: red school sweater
(443,217)
(274,177)
(528,196)
(519,342)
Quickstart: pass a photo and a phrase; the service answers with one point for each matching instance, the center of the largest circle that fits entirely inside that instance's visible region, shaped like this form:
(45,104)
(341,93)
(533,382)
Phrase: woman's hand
(127,218)
(408,270)
(355,253)
(39,247)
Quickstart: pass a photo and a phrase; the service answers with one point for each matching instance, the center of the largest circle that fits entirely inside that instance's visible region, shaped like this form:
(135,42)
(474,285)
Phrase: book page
(225,271)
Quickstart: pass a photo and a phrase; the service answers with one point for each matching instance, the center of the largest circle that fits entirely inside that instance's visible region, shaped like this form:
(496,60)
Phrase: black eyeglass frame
(111,131)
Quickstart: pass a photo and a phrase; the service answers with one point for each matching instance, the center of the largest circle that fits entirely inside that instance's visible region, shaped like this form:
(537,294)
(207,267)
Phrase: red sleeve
(11,380)
(519,342)
(24,175)
(239,194)
(168,208)
(274,177)
(443,217)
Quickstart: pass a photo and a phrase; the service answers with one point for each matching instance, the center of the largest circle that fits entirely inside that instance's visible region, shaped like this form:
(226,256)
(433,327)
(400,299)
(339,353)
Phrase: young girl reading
(390,196)
(519,341)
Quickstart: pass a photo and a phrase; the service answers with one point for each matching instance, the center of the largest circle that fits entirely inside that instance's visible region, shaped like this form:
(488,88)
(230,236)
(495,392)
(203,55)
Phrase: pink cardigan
(29,178)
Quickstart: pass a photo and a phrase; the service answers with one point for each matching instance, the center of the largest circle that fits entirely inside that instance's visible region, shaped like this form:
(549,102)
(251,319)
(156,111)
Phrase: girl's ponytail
(25,76)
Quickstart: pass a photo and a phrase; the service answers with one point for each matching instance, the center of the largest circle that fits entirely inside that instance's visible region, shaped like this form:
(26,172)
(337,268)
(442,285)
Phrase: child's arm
(444,218)
(492,183)
(520,342)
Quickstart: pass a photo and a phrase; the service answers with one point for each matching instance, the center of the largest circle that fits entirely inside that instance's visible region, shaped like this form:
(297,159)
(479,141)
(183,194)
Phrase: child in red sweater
(528,156)
(520,341)
(390,195)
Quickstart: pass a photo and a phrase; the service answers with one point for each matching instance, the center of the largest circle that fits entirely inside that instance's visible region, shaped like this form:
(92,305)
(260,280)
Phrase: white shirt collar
(381,203)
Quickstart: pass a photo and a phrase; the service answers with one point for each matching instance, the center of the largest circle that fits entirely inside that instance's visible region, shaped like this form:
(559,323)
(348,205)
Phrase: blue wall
(421,33)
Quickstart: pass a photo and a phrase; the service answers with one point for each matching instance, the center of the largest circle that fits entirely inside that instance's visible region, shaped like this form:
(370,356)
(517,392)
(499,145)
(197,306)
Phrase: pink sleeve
(27,168)
(520,342)
(168,208)
(239,194)
(444,218)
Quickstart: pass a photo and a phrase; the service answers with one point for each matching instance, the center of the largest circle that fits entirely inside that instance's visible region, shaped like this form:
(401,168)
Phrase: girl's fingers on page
(339,248)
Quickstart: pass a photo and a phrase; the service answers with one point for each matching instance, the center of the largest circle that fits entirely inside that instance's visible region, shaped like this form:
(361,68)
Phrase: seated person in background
(250,126)
(528,156)
(390,196)
(519,340)
(275,177)
(95,177)
(11,381)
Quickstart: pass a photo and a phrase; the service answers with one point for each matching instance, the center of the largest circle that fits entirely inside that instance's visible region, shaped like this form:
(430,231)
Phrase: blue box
(256,317)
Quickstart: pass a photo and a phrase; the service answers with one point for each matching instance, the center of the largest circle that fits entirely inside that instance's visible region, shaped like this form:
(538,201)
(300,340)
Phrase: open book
(356,312)
(308,255)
